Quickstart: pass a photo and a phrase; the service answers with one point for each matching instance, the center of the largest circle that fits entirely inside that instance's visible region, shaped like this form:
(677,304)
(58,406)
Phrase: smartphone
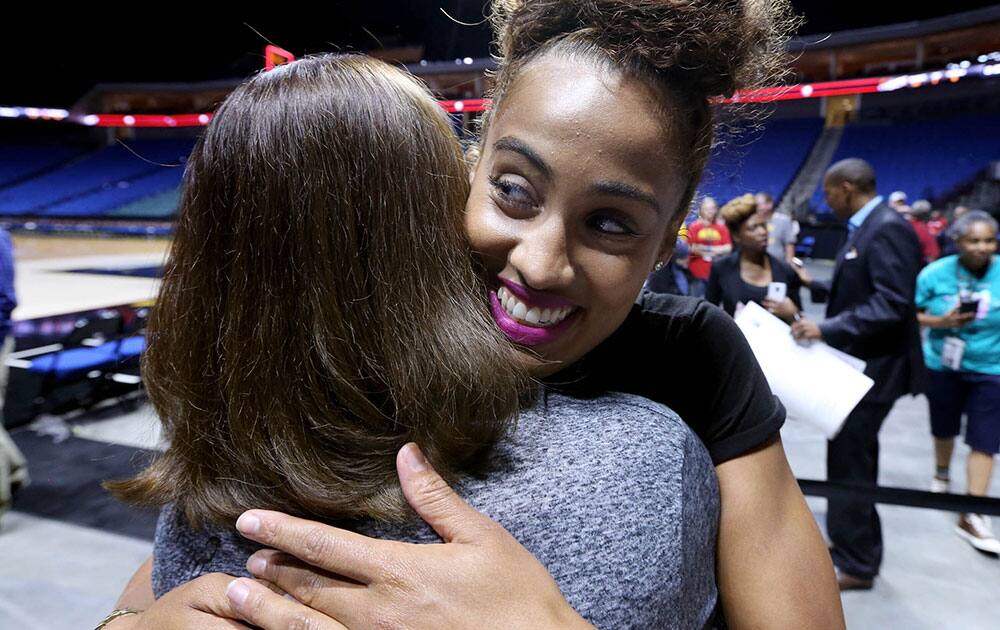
(970,306)
(776,291)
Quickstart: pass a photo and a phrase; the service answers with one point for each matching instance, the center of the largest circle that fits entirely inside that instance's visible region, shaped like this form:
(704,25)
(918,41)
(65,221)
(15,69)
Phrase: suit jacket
(870,304)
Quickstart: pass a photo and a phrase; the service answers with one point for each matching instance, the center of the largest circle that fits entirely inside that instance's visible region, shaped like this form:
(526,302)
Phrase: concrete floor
(59,576)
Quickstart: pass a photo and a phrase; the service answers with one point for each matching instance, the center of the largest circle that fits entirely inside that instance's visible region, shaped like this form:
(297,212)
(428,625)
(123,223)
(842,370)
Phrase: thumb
(433,499)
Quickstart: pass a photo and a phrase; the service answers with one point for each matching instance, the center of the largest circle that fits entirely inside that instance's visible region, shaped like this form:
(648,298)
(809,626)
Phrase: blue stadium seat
(757,161)
(106,175)
(925,159)
(24,161)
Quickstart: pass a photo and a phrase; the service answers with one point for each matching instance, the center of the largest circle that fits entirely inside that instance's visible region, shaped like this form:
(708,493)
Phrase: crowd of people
(901,266)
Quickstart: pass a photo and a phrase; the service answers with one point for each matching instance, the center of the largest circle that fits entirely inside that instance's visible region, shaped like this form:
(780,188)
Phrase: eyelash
(503,189)
(624,229)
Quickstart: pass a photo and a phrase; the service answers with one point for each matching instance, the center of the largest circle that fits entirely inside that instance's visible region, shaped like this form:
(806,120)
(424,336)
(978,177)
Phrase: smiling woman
(600,128)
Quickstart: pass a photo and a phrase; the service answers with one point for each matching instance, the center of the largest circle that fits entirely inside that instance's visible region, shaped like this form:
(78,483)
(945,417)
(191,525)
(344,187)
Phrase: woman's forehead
(583,113)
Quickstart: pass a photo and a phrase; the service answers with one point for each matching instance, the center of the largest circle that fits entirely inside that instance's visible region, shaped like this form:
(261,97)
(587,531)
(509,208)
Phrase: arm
(951,319)
(774,570)
(789,252)
(893,271)
(138,593)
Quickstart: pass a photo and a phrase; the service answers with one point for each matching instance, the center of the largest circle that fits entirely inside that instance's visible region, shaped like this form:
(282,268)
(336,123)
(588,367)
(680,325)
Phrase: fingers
(335,550)
(330,594)
(207,594)
(434,500)
(263,608)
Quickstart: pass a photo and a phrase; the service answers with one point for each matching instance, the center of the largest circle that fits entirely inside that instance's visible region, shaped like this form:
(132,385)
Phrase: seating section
(105,201)
(926,159)
(162,205)
(760,160)
(100,182)
(23,161)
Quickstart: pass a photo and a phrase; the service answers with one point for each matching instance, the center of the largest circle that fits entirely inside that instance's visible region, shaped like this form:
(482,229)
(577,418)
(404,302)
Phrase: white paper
(818,385)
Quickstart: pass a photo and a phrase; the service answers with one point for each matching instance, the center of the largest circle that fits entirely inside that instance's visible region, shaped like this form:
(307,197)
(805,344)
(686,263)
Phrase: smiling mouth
(530,315)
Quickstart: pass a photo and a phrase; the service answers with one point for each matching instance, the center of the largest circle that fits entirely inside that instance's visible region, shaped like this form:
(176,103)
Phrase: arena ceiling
(53,59)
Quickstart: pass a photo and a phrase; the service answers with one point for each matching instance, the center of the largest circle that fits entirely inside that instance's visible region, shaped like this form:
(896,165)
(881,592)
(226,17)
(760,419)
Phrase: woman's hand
(200,604)
(479,578)
(951,319)
(785,309)
(804,276)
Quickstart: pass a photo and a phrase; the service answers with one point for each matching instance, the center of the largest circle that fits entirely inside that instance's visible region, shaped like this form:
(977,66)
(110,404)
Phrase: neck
(976,270)
(862,202)
(757,257)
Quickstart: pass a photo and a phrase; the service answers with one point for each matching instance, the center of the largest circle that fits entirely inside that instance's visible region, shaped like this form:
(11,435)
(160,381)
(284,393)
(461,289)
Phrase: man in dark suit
(870,314)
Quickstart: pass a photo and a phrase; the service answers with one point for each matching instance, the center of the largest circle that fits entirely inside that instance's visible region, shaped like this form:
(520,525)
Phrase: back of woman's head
(320,308)
(694,51)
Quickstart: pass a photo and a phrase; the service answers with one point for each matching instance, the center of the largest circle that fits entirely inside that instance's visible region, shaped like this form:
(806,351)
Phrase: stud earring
(658,266)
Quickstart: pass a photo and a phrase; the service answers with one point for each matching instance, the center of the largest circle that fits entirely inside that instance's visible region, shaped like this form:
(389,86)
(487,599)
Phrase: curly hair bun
(716,46)
(738,210)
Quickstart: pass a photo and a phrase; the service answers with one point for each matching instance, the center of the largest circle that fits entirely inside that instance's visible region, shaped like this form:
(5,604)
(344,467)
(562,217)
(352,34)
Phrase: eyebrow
(510,143)
(621,189)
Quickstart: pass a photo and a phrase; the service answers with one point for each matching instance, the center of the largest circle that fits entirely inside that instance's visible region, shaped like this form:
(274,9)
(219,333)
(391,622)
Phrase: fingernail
(248,523)
(413,458)
(237,592)
(257,565)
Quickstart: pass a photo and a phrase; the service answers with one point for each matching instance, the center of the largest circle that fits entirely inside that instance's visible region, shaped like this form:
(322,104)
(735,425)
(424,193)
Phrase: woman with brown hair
(320,310)
(750,273)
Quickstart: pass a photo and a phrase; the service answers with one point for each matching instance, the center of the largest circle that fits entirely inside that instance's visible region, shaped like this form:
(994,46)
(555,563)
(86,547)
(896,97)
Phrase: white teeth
(536,316)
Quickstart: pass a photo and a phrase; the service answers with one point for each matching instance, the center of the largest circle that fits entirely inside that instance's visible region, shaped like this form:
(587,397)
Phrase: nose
(542,254)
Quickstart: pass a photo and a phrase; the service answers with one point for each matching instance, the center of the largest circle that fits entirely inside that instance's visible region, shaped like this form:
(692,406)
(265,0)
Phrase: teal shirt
(938,287)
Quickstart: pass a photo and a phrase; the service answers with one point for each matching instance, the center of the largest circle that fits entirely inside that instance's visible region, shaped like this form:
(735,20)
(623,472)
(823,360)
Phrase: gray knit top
(614,495)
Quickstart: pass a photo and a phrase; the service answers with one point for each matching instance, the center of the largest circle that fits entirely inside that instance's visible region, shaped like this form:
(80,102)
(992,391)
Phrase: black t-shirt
(726,288)
(689,355)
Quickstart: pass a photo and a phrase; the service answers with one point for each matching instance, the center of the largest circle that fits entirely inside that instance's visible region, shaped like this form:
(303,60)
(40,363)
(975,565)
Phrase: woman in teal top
(958,298)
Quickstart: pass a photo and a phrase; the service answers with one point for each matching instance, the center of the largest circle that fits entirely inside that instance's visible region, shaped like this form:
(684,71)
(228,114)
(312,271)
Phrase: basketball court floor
(67,549)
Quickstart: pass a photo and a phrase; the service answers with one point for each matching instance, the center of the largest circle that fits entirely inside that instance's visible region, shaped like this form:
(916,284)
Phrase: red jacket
(928,244)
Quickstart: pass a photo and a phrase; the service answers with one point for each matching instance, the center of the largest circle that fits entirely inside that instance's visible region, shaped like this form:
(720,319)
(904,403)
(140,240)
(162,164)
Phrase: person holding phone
(751,274)
(957,298)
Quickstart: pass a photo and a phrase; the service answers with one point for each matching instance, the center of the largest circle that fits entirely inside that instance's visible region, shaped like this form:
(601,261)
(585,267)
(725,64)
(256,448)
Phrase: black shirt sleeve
(690,356)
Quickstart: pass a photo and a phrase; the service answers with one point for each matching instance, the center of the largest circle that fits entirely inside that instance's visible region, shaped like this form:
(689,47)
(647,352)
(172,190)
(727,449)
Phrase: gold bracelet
(115,614)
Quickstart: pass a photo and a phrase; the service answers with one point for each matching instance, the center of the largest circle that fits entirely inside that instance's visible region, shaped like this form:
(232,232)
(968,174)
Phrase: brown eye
(609,225)
(511,192)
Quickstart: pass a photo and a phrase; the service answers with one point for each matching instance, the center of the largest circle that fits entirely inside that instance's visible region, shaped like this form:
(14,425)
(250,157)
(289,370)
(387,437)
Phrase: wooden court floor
(46,284)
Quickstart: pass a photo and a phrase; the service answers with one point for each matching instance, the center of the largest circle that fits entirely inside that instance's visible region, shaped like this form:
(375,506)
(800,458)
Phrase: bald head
(849,185)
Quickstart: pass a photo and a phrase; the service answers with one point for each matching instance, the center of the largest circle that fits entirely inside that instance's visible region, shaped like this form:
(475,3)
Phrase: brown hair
(737,211)
(320,307)
(693,50)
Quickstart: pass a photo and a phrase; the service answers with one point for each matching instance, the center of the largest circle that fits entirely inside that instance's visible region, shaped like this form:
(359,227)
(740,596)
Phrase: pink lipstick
(523,333)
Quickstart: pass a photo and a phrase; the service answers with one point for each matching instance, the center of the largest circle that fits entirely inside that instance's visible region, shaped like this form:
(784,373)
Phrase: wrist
(120,619)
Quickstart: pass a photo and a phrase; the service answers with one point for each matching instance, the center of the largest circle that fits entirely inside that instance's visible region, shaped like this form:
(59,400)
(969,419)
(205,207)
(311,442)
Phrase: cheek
(490,235)
(614,284)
